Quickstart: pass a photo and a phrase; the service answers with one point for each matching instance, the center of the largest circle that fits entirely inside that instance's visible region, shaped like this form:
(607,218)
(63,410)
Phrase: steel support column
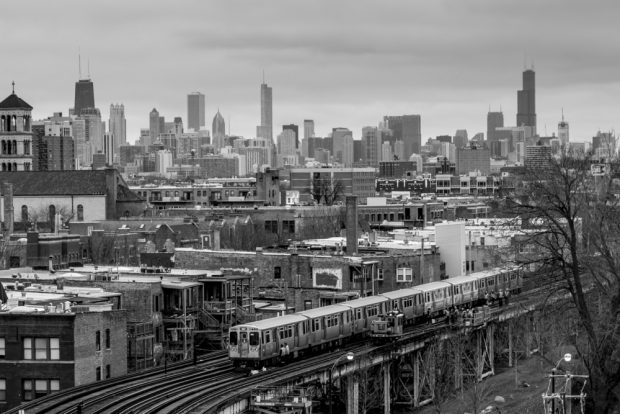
(353,394)
(387,386)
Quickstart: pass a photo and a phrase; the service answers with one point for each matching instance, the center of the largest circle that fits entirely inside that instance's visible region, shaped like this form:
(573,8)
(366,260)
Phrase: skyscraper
(308,128)
(266,117)
(406,128)
(295,129)
(343,146)
(117,126)
(218,129)
(84,96)
(526,101)
(494,120)
(195,111)
(154,130)
(563,132)
(371,146)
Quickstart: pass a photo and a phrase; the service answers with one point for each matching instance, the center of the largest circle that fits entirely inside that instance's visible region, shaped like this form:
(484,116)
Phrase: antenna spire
(79,63)
(88,68)
(13,83)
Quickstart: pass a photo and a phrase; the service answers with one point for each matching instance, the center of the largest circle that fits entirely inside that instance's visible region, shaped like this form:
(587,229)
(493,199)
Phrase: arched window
(3,147)
(14,151)
(24,213)
(3,166)
(14,166)
(80,212)
(52,216)
(26,147)
(8,166)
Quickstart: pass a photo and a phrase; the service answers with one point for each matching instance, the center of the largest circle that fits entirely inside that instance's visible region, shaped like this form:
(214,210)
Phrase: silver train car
(268,341)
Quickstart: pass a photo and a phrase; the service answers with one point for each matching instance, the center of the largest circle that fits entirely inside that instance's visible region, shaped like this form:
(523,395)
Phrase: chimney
(351,224)
(8,208)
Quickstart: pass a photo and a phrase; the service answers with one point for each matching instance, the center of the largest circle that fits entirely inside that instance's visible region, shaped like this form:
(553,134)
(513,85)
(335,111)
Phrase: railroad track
(186,388)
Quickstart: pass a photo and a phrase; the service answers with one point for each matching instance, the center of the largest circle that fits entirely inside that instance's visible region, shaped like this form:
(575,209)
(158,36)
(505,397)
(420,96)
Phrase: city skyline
(412,59)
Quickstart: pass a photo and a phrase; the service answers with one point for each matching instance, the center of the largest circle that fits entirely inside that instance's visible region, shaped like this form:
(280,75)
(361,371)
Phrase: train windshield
(233,338)
(254,338)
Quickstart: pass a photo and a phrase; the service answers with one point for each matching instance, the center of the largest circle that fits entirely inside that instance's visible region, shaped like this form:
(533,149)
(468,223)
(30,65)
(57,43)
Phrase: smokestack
(8,208)
(351,223)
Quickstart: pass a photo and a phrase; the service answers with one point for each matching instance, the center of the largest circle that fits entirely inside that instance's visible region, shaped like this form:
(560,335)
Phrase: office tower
(218,129)
(154,129)
(265,130)
(195,111)
(308,128)
(177,126)
(444,138)
(460,138)
(537,156)
(286,142)
(117,126)
(371,146)
(494,120)
(526,101)
(84,96)
(162,124)
(386,152)
(398,150)
(563,132)
(295,129)
(408,129)
(342,142)
(473,159)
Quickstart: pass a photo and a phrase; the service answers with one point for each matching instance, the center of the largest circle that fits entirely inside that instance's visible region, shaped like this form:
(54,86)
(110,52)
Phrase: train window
(316,324)
(289,330)
(254,338)
(394,304)
(267,336)
(233,338)
(336,319)
(358,313)
(328,321)
(428,296)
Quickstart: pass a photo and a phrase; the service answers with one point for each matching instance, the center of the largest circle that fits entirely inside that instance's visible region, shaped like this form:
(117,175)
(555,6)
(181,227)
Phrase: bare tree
(571,222)
(326,190)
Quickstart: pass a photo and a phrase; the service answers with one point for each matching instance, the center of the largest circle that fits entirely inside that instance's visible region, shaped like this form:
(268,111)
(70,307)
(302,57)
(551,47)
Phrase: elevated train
(266,341)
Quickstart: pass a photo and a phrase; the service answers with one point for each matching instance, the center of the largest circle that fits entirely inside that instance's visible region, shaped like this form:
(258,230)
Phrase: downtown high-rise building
(526,101)
(342,144)
(265,129)
(195,111)
(308,128)
(218,130)
(295,129)
(494,120)
(84,96)
(117,126)
(406,128)
(563,132)
(371,146)
(155,127)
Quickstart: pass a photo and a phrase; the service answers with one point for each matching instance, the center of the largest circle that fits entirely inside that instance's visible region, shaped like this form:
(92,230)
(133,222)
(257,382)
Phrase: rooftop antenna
(79,63)
(13,83)
(562,114)
(88,68)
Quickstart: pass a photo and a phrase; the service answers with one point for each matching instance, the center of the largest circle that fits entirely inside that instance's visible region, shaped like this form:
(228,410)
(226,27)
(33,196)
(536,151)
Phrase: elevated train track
(212,384)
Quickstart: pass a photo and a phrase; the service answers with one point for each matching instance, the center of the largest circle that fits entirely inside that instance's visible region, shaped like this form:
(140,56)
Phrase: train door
(244,345)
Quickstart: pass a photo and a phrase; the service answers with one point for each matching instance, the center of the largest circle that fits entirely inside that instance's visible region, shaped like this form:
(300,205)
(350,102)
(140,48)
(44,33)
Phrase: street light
(349,356)
(566,358)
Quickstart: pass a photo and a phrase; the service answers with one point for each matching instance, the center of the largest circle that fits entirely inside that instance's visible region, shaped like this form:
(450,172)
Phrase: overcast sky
(341,63)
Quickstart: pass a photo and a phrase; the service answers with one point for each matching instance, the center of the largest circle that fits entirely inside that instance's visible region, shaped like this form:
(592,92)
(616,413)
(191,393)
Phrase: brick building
(58,348)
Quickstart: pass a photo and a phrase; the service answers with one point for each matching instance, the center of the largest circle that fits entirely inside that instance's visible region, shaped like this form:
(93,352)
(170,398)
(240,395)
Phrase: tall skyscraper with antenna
(265,130)
(563,131)
(526,101)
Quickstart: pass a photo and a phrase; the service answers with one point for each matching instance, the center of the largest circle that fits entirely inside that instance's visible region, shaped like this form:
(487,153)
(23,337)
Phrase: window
(380,273)
(107,339)
(108,371)
(35,388)
(2,348)
(277,272)
(80,212)
(98,374)
(404,274)
(24,214)
(2,390)
(271,226)
(42,348)
(26,147)
(288,226)
(98,341)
